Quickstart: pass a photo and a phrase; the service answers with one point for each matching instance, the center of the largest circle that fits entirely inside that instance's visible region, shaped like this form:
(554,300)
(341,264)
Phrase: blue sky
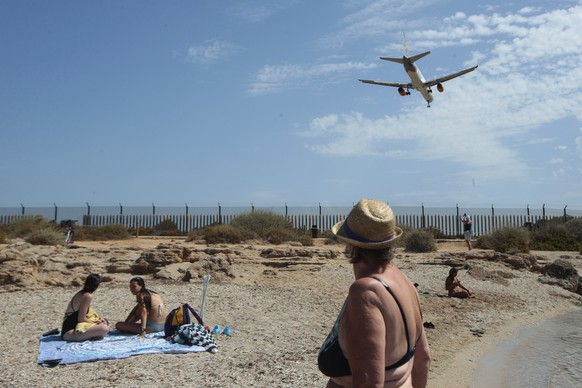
(179,102)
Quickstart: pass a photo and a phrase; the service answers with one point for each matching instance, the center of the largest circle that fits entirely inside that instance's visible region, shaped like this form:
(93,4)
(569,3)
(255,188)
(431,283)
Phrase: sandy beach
(280,302)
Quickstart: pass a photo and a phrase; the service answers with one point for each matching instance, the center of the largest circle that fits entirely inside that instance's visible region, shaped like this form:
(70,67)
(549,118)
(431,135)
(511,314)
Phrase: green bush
(46,236)
(3,237)
(555,238)
(195,234)
(223,234)
(510,240)
(574,227)
(485,241)
(25,226)
(168,228)
(259,224)
(420,241)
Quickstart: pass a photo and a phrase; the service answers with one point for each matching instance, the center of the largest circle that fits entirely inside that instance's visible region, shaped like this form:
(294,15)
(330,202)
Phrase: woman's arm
(451,283)
(143,313)
(421,362)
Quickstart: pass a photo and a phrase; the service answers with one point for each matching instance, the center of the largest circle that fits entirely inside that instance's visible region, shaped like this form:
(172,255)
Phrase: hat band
(354,236)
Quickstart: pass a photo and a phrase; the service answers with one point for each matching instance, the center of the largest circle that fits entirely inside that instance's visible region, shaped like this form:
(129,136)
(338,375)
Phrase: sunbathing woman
(148,315)
(454,286)
(81,322)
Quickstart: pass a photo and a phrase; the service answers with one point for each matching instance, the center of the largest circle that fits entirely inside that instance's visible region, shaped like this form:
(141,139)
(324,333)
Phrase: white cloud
(211,52)
(556,161)
(272,79)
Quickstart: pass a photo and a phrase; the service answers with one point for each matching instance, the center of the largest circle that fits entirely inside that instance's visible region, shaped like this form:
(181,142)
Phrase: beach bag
(195,334)
(182,315)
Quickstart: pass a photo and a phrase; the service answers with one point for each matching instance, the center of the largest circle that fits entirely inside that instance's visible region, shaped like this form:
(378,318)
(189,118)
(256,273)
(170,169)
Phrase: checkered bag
(195,334)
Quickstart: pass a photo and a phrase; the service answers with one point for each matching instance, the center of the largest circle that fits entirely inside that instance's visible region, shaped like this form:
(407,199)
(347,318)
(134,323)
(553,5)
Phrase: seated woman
(82,322)
(454,286)
(148,315)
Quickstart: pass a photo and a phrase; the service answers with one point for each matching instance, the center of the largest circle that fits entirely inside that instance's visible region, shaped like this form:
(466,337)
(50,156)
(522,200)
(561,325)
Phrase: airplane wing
(437,81)
(394,84)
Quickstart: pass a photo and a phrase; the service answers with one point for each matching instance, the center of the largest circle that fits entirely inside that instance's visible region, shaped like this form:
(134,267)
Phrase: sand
(280,311)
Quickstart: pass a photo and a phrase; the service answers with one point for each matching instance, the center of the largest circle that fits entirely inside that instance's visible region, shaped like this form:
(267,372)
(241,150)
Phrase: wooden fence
(447,225)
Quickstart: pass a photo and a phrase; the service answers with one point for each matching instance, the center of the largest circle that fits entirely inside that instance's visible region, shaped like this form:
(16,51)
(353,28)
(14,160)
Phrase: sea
(546,354)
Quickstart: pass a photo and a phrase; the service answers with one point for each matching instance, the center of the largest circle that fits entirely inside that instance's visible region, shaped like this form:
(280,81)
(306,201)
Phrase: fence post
(544,211)
(320,219)
(457,222)
(187,219)
(492,217)
(22,206)
(252,208)
(219,213)
(120,209)
(55,212)
(153,218)
(423,222)
(286,210)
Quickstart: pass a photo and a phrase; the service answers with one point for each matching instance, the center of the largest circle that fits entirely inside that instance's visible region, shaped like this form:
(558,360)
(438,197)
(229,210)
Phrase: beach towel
(91,316)
(54,351)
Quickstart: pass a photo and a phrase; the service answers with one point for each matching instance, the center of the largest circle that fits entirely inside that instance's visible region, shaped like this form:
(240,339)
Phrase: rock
(562,273)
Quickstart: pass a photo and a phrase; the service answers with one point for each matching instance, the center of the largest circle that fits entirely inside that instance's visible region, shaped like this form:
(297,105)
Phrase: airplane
(417,80)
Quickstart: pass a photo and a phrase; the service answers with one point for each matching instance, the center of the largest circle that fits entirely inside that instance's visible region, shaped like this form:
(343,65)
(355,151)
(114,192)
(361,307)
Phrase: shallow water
(548,354)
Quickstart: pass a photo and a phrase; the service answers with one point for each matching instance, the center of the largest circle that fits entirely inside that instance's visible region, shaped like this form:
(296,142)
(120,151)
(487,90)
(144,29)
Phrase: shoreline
(467,361)
(279,300)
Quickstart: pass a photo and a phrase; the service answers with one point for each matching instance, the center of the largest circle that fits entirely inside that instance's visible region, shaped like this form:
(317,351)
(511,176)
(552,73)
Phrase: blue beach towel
(54,351)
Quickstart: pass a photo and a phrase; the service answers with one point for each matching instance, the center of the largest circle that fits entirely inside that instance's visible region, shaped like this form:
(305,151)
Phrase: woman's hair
(380,256)
(140,282)
(145,295)
(453,271)
(91,283)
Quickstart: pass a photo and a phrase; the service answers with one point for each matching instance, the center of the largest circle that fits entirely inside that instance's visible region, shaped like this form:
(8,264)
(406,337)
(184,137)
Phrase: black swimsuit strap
(410,352)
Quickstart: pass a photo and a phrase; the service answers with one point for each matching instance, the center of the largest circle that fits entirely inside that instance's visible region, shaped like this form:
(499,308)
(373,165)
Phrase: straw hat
(371,224)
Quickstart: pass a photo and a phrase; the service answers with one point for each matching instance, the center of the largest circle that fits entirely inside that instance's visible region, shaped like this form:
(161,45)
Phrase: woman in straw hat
(378,338)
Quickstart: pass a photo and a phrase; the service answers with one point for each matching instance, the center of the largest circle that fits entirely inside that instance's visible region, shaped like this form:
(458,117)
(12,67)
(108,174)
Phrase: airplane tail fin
(411,59)
(417,57)
(397,60)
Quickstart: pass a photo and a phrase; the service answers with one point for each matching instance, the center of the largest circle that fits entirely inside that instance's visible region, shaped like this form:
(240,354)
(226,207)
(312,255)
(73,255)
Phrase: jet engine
(440,87)
(402,91)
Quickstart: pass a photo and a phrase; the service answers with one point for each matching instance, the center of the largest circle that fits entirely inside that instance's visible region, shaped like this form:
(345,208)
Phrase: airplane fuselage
(417,79)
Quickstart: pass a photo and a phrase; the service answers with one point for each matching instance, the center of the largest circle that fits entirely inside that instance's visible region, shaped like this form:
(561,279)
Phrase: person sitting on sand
(148,315)
(454,286)
(81,322)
